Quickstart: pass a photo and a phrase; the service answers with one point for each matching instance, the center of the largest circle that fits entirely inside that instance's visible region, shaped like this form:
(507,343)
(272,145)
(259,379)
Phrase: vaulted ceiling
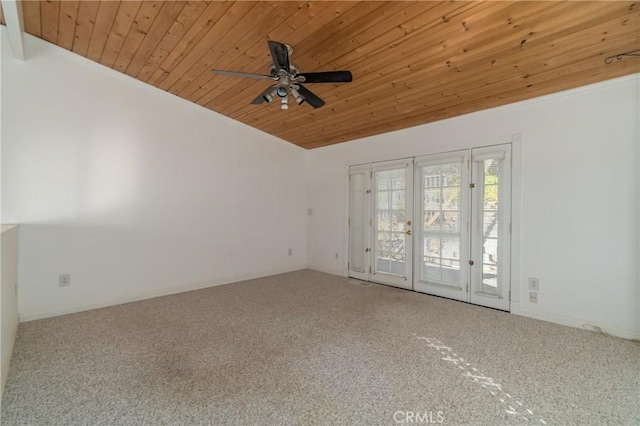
(412,62)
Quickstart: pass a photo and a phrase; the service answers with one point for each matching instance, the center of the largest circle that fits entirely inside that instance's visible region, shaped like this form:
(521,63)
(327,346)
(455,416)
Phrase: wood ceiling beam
(14,20)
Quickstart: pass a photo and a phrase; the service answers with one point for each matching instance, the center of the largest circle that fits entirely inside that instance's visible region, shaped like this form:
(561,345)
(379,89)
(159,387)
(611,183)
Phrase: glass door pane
(441,190)
(392,201)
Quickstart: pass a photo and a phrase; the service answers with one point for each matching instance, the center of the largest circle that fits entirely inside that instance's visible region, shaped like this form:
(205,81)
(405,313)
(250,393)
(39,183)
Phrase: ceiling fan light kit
(289,79)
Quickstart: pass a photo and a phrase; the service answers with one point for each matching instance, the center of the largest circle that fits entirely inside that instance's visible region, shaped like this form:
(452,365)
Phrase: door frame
(518,288)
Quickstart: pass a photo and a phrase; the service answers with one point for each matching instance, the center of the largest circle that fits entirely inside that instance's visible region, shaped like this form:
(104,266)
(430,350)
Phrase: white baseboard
(327,271)
(516,309)
(167,291)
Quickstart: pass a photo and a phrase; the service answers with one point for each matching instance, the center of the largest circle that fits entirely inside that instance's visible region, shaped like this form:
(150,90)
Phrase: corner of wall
(8,296)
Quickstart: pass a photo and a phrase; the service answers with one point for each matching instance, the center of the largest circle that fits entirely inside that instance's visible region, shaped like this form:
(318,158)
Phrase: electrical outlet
(64,280)
(337,255)
(533,297)
(290,252)
(534,283)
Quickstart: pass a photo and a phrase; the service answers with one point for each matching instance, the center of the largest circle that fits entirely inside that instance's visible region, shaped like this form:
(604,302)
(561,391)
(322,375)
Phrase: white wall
(578,197)
(8,297)
(135,192)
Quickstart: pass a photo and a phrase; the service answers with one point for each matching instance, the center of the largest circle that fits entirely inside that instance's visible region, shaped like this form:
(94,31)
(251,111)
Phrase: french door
(491,226)
(461,224)
(392,200)
(442,184)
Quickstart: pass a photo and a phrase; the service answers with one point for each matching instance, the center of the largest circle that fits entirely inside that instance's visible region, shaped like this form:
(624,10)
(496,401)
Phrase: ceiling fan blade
(311,98)
(327,77)
(243,74)
(280,55)
(260,99)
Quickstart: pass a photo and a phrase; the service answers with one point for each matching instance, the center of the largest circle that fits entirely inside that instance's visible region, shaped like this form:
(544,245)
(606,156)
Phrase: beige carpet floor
(311,348)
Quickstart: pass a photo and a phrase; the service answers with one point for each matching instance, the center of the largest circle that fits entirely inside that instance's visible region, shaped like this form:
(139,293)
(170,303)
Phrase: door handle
(409,232)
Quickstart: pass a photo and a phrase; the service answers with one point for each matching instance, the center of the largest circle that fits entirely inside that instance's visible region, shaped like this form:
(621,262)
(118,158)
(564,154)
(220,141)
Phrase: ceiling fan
(289,79)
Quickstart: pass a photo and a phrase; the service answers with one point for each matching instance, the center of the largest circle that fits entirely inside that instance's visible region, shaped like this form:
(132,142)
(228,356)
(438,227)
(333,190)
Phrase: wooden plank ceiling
(412,62)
